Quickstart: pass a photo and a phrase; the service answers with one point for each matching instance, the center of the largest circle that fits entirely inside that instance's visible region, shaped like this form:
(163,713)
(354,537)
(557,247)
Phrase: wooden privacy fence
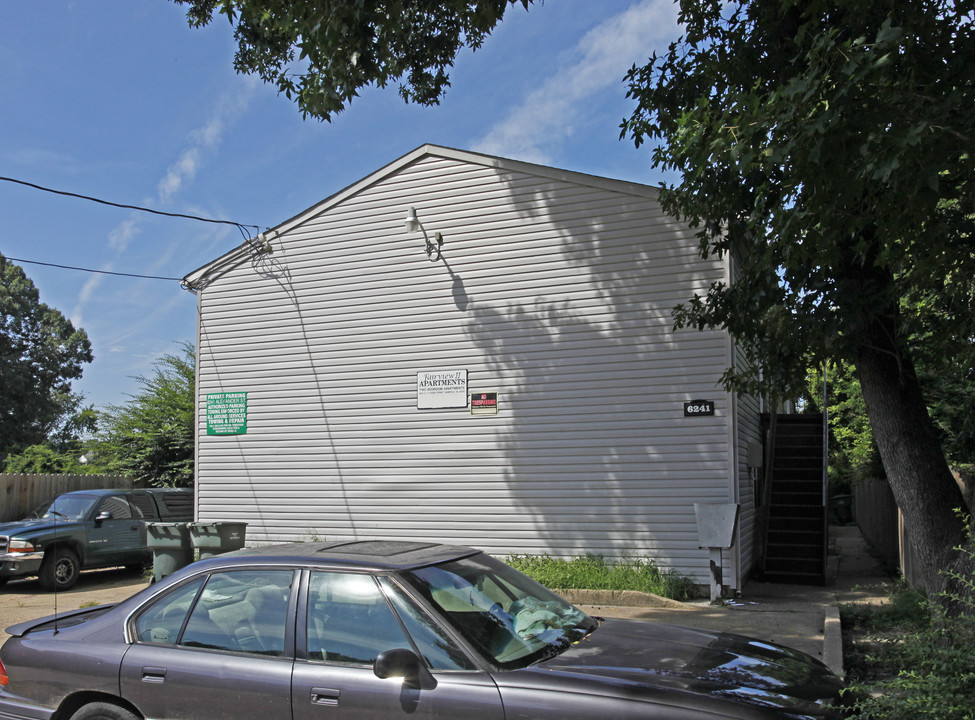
(877,517)
(19,494)
(883,526)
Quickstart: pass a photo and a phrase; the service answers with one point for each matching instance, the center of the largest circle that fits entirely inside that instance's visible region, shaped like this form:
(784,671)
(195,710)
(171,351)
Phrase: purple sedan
(385,630)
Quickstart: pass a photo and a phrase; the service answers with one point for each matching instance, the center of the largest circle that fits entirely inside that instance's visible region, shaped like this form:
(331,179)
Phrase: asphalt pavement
(803,617)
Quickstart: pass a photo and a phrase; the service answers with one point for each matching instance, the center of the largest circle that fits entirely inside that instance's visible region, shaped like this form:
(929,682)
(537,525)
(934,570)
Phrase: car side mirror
(103,515)
(405,664)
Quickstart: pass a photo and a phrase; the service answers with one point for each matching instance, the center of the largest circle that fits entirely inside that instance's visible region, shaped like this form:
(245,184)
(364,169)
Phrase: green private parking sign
(227,413)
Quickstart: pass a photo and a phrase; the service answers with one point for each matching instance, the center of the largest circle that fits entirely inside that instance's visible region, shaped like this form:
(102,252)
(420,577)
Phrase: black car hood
(702,662)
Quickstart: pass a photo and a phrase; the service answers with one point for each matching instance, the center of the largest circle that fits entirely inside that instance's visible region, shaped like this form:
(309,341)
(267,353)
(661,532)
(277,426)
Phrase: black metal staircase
(797,534)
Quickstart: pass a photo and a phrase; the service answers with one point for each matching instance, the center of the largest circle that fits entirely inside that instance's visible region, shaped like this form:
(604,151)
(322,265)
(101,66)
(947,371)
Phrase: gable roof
(199,277)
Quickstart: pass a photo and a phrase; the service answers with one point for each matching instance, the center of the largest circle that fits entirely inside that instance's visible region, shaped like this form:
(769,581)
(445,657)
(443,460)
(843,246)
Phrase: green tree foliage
(946,368)
(853,454)
(40,354)
(319,53)
(150,438)
(828,147)
(44,460)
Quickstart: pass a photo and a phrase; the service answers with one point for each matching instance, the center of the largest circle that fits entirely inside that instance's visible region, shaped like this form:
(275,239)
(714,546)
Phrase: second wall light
(414,225)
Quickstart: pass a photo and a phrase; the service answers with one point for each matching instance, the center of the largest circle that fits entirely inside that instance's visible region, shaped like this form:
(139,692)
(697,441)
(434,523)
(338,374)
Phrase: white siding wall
(749,431)
(555,294)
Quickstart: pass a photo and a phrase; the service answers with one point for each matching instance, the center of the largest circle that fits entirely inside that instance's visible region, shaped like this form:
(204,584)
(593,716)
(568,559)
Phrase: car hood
(632,652)
(29,526)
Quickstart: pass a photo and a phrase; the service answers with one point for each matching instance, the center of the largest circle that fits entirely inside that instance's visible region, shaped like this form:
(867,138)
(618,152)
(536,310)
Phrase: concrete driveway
(25,600)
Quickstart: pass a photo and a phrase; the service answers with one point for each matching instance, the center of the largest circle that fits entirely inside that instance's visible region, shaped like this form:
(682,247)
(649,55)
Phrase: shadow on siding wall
(593,372)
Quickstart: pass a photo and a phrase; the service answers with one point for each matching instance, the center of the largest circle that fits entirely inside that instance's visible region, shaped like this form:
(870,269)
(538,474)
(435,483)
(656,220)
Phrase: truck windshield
(66,507)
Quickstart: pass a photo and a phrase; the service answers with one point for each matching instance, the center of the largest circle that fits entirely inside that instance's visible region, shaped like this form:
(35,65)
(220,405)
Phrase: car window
(349,620)
(176,503)
(142,506)
(241,611)
(439,651)
(162,621)
(117,505)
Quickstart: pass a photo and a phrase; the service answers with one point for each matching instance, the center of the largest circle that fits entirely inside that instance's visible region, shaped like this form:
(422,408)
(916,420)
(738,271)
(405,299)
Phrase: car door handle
(325,696)
(153,674)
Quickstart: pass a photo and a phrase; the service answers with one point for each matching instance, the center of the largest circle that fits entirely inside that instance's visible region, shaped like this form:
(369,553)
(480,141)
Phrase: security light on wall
(433,246)
(412,221)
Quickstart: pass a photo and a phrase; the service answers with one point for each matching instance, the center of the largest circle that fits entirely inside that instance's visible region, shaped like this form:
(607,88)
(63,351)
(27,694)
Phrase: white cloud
(598,62)
(207,137)
(183,170)
(120,236)
(86,294)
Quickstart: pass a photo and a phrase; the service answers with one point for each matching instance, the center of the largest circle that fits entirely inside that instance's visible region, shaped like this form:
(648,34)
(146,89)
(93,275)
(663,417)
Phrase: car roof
(372,555)
(94,491)
(112,491)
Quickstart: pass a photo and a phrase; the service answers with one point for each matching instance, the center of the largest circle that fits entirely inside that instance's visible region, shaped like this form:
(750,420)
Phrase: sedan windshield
(508,617)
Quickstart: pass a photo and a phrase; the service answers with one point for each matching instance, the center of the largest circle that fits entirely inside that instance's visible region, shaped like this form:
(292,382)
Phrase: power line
(240,227)
(89,270)
(237,225)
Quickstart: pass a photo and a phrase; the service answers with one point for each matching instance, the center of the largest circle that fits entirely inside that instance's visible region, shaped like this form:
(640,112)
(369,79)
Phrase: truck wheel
(60,569)
(103,711)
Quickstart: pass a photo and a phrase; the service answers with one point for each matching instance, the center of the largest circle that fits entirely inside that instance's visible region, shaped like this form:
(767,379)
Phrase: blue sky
(122,100)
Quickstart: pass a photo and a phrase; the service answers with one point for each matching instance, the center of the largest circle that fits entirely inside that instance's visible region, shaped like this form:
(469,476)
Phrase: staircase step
(807,566)
(798,443)
(795,578)
(796,551)
(796,512)
(784,499)
(798,482)
(796,524)
(796,460)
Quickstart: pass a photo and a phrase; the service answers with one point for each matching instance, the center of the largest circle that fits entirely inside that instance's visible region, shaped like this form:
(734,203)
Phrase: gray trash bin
(171,549)
(214,538)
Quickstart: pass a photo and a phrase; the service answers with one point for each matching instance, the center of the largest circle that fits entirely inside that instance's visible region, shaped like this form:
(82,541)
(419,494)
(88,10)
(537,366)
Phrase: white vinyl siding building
(554,290)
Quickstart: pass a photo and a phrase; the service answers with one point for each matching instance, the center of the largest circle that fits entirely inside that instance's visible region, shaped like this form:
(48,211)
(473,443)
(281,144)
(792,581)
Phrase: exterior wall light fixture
(414,225)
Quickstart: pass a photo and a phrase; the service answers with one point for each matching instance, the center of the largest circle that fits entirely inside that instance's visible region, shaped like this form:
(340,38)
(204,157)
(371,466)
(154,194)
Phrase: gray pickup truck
(87,529)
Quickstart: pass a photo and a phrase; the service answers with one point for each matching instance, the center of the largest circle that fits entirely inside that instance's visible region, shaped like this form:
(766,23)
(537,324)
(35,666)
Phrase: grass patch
(909,660)
(592,572)
(905,611)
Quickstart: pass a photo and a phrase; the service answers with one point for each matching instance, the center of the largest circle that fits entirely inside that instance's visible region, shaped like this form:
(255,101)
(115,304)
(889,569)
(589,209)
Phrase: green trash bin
(171,549)
(214,538)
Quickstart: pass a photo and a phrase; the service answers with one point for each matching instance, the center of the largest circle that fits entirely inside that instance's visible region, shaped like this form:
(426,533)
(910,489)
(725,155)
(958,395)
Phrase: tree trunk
(913,460)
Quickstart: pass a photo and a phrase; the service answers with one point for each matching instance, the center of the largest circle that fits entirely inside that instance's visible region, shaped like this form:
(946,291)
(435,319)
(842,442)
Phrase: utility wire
(89,270)
(237,225)
(240,227)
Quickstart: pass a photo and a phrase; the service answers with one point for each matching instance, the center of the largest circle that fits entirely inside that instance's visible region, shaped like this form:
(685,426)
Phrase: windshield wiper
(550,651)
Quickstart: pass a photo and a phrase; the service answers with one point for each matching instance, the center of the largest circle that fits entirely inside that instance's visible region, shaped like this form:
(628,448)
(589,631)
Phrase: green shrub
(935,665)
(592,572)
